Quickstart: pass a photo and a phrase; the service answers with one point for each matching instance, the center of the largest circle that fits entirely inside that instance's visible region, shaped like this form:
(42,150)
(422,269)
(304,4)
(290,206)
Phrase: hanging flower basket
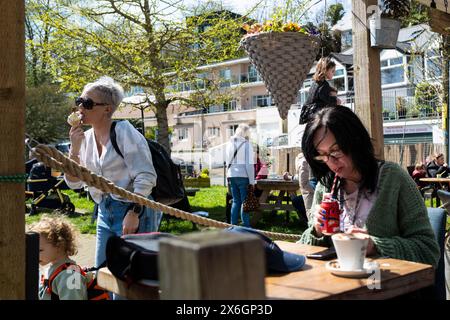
(283,59)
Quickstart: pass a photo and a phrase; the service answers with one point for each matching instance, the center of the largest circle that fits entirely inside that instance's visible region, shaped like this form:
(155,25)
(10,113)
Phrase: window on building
(338,83)
(213,132)
(392,71)
(434,68)
(434,64)
(183,133)
(396,61)
(253,75)
(346,39)
(230,105)
(225,74)
(261,101)
(392,75)
(232,129)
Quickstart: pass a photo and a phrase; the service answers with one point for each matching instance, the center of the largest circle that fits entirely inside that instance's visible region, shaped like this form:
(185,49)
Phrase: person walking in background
(320,94)
(241,171)
(134,171)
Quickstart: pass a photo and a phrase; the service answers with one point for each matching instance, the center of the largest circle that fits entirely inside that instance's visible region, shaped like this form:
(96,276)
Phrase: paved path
(86,250)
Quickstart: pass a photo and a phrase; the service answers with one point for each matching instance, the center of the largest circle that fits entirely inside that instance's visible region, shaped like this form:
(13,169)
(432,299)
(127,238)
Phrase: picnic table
(314,281)
(268,201)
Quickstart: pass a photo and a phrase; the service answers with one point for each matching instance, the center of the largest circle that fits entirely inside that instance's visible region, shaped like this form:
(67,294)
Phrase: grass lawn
(210,199)
(82,217)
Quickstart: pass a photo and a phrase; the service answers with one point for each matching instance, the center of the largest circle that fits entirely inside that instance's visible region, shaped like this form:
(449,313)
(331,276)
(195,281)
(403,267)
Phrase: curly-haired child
(63,280)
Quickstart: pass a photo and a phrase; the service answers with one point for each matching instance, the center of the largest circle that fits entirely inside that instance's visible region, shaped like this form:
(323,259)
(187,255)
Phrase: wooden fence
(405,155)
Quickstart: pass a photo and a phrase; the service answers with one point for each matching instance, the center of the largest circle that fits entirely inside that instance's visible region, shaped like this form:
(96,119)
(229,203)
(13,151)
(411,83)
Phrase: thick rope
(51,157)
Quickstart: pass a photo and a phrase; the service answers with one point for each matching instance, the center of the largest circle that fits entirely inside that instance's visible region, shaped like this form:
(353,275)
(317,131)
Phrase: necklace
(351,211)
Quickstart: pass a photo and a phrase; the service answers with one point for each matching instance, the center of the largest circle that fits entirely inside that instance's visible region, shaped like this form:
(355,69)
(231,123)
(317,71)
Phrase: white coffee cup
(351,250)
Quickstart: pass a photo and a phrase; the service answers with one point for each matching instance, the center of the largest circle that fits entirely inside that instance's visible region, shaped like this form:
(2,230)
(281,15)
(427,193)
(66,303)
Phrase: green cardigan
(398,222)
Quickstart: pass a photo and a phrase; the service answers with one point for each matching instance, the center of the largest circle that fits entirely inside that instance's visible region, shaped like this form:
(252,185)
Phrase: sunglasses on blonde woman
(87,103)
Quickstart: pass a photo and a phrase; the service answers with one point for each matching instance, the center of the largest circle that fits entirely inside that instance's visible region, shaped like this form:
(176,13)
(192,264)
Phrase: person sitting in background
(305,179)
(376,197)
(418,173)
(261,169)
(437,167)
(298,202)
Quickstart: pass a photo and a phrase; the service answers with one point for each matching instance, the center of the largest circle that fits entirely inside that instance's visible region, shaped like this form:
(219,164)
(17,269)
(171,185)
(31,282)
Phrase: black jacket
(434,169)
(319,93)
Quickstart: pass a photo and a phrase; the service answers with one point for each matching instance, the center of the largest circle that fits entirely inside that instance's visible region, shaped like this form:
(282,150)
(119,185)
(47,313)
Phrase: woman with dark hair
(376,197)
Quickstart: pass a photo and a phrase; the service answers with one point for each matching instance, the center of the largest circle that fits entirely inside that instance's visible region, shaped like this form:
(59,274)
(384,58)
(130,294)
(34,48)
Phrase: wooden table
(314,281)
(442,182)
(398,277)
(285,187)
(436,180)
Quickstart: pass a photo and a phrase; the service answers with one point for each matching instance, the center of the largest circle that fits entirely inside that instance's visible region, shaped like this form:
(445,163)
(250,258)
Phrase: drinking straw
(334,188)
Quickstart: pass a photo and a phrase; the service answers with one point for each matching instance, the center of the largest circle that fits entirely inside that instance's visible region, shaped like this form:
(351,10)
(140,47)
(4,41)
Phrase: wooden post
(367,75)
(12,110)
(212,265)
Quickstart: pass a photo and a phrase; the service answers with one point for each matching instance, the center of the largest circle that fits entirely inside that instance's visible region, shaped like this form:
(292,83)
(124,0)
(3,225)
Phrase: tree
(418,14)
(138,43)
(335,13)
(37,37)
(45,111)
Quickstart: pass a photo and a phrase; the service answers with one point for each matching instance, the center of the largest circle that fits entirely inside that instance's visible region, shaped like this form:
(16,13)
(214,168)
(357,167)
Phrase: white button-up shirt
(134,172)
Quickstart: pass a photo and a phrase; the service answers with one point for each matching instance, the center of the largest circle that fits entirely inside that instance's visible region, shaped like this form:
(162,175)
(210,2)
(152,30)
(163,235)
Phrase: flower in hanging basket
(277,26)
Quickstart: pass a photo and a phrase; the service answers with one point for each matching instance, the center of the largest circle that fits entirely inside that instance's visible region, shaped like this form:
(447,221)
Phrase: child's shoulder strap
(55,273)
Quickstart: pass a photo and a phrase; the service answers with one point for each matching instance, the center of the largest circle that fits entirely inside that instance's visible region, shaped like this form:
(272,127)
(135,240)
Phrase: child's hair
(419,166)
(58,231)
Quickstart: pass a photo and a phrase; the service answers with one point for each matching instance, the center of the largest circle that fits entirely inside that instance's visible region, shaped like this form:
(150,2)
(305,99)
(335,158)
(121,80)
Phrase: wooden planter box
(197,182)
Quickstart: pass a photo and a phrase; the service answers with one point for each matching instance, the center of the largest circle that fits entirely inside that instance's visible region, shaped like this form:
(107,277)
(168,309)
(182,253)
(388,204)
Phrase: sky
(242,6)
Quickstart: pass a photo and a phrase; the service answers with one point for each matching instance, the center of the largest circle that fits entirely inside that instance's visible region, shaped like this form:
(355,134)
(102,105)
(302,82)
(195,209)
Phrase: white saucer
(334,268)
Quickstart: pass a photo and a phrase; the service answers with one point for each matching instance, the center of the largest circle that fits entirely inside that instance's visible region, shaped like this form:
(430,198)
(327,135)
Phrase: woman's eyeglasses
(87,103)
(335,155)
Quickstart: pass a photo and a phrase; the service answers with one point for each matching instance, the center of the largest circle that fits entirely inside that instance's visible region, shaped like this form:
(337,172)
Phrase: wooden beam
(439,21)
(367,75)
(12,110)
(213,266)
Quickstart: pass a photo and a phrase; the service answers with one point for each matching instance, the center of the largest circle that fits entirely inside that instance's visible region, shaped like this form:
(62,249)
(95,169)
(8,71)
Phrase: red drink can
(332,213)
